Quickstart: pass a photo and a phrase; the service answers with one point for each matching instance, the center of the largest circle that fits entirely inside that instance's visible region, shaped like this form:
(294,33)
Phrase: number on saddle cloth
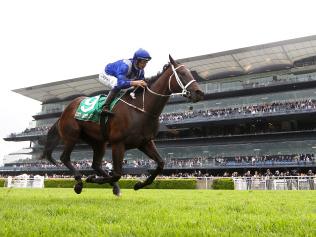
(91,107)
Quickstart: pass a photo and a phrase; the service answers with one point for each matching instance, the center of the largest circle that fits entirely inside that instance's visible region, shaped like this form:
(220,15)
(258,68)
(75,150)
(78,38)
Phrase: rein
(178,80)
(140,109)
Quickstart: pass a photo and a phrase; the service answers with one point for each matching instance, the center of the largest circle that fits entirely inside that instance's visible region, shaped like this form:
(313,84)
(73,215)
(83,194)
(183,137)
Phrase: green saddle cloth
(91,107)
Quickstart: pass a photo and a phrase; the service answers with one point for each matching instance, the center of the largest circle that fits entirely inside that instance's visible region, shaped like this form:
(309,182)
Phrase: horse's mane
(152,79)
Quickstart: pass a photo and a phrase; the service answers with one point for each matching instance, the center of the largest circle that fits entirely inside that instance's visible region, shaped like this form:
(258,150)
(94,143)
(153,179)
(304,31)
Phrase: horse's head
(182,82)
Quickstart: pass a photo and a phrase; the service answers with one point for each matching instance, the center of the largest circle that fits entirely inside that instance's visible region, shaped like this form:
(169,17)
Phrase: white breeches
(107,80)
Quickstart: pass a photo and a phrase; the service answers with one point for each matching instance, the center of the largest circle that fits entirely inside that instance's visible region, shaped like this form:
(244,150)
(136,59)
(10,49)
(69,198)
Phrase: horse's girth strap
(102,124)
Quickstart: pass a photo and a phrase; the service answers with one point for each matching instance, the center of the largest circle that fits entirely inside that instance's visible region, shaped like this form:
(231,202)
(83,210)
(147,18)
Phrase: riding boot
(106,107)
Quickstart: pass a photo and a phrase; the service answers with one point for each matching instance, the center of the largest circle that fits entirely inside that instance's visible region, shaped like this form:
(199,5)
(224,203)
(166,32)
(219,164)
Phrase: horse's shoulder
(79,99)
(75,102)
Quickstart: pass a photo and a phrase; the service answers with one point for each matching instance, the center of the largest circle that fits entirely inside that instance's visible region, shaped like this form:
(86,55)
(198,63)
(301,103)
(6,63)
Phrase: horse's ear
(171,60)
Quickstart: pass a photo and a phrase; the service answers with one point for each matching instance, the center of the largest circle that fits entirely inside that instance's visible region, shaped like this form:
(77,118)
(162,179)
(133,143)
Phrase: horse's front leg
(98,153)
(118,150)
(151,151)
(98,168)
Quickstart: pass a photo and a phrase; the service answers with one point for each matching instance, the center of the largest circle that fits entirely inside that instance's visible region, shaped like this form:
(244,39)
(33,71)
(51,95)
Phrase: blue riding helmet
(141,54)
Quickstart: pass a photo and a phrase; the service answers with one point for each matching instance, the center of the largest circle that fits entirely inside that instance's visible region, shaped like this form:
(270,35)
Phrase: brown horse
(134,125)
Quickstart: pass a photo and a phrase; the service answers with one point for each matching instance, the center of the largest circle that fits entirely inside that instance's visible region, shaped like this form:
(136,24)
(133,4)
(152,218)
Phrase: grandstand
(258,114)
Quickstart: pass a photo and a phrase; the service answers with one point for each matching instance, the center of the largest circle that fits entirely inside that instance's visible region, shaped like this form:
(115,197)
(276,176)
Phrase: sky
(43,41)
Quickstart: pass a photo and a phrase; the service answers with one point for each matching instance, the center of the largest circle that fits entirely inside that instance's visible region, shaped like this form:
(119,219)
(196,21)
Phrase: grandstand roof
(254,59)
(61,90)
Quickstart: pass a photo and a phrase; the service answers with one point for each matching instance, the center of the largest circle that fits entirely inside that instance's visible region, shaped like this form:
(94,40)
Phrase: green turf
(96,212)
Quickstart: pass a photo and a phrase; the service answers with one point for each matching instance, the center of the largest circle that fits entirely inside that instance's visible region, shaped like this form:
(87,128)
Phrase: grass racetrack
(152,212)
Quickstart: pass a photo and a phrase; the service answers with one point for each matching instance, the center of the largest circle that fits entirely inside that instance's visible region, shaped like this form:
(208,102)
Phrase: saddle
(90,108)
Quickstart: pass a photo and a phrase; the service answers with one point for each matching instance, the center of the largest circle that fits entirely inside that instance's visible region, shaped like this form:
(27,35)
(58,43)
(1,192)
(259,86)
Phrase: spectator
(248,179)
(269,180)
(311,180)
(288,180)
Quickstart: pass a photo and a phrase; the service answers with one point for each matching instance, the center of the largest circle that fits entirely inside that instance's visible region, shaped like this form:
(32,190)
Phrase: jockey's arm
(140,83)
(124,83)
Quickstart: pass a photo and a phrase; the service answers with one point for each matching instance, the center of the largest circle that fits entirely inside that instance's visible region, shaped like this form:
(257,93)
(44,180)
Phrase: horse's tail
(52,140)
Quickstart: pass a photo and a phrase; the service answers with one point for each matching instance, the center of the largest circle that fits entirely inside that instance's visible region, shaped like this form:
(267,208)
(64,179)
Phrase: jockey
(124,74)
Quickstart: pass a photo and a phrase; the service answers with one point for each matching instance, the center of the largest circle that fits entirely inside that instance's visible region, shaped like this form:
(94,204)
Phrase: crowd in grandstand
(80,164)
(197,162)
(267,159)
(286,106)
(193,168)
(201,173)
(241,111)
(202,161)
(31,131)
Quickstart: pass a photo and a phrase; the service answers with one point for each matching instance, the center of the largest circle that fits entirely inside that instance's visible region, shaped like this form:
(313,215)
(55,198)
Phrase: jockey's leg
(151,151)
(111,96)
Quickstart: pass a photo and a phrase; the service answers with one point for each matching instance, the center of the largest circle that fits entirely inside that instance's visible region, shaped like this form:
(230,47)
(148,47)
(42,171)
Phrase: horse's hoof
(90,178)
(138,185)
(116,190)
(78,188)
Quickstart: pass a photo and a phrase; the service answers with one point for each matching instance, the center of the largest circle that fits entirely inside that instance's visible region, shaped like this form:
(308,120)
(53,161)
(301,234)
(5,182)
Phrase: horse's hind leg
(52,140)
(151,151)
(98,152)
(65,158)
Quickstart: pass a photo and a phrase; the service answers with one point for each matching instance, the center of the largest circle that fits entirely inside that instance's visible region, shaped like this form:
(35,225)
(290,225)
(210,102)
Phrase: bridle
(175,75)
(178,80)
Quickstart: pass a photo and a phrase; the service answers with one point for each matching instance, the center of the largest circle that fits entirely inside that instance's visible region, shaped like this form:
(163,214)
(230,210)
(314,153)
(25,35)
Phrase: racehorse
(134,125)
